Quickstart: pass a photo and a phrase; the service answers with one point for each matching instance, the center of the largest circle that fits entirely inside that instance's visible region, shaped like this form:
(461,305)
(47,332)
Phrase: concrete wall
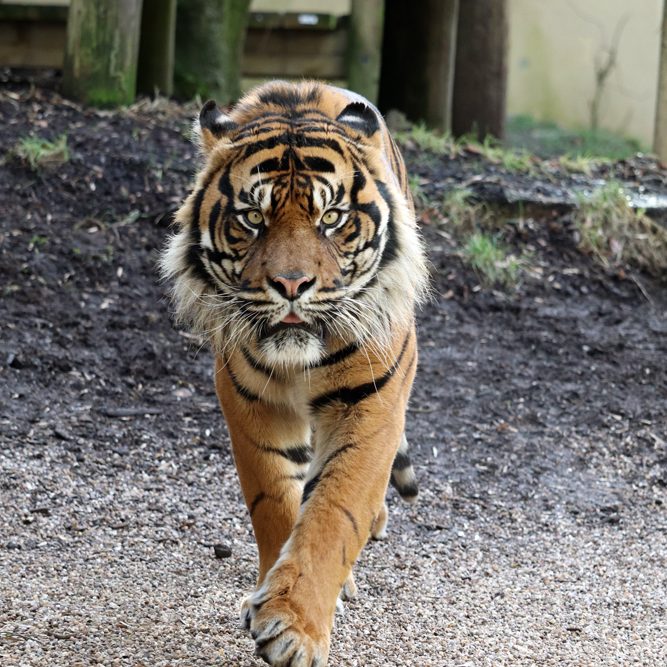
(555,47)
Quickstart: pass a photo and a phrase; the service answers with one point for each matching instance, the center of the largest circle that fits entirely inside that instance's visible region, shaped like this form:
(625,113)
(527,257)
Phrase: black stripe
(213,218)
(408,491)
(194,259)
(353,395)
(337,453)
(350,516)
(257,365)
(310,120)
(269,165)
(289,97)
(408,368)
(299,454)
(297,477)
(337,356)
(310,487)
(401,462)
(323,473)
(391,247)
(318,164)
(240,389)
(288,139)
(257,500)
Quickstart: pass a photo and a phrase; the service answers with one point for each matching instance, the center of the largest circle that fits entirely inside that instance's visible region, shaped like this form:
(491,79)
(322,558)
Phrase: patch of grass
(547,140)
(40,153)
(492,260)
(509,159)
(428,140)
(615,234)
(478,230)
(418,194)
(581,164)
(444,144)
(464,215)
(36,242)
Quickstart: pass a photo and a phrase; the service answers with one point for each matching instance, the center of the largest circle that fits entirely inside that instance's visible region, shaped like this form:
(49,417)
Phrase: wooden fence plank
(102,49)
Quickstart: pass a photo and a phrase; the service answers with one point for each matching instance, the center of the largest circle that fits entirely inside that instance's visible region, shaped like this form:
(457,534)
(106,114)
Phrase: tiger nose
(291,285)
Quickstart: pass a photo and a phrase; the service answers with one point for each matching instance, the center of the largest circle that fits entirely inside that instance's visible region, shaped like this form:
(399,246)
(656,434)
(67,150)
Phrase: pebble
(222,551)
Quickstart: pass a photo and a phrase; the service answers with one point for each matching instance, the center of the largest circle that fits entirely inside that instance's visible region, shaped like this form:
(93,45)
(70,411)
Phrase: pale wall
(554,48)
(337,7)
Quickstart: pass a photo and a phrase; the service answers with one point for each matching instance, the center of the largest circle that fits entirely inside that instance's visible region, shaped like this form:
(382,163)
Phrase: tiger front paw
(286,622)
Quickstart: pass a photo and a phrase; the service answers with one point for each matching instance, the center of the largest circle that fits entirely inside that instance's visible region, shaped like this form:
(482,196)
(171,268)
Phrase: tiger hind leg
(378,532)
(403,477)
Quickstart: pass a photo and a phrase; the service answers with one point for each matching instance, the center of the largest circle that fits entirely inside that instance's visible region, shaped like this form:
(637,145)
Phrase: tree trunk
(480,79)
(364,51)
(156,48)
(418,60)
(660,134)
(209,47)
(102,47)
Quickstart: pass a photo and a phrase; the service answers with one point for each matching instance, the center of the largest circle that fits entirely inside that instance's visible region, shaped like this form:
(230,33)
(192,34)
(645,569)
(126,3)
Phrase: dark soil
(547,401)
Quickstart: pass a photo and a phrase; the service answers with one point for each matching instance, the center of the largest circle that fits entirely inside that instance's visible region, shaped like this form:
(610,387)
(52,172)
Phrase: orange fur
(313,384)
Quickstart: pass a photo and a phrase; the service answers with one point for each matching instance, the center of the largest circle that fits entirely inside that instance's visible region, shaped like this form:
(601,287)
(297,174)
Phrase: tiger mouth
(289,327)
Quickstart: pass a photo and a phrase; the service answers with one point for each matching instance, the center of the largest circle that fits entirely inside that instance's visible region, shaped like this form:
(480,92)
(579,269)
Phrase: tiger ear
(213,125)
(360,117)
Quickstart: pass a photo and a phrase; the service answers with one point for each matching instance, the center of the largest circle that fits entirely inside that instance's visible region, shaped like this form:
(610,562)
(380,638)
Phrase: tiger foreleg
(291,614)
(271,451)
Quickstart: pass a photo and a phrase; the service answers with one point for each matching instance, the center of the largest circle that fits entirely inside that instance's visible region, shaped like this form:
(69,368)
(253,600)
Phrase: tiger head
(300,232)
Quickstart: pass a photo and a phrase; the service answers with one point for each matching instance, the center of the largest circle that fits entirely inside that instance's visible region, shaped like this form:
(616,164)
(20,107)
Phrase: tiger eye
(331,217)
(254,217)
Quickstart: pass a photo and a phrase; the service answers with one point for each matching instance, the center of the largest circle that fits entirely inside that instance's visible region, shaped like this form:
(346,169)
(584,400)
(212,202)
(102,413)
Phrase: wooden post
(156,47)
(480,79)
(660,134)
(418,60)
(209,47)
(364,52)
(101,54)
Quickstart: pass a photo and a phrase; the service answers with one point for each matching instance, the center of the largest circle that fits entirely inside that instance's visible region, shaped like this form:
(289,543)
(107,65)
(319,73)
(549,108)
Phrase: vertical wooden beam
(364,52)
(660,133)
(156,47)
(209,47)
(480,79)
(418,60)
(101,53)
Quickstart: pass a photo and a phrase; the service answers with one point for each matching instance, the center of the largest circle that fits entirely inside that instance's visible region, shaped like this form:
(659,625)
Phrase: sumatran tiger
(298,257)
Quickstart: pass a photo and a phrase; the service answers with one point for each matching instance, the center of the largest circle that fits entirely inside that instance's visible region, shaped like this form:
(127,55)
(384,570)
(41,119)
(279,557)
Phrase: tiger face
(289,239)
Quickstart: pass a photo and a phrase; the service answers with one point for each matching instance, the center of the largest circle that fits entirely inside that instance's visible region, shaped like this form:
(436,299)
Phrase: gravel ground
(539,428)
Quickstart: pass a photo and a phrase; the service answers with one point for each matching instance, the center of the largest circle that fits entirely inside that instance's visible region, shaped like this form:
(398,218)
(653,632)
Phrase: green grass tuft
(615,234)
(492,260)
(40,153)
(548,140)
(444,144)
(581,164)
(426,139)
(464,215)
(509,159)
(418,194)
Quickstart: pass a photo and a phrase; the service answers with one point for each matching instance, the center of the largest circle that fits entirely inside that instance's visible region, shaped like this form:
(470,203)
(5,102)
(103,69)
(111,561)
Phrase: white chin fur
(292,348)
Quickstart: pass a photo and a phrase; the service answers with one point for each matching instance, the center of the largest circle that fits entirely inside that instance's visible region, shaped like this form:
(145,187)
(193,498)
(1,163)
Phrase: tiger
(297,256)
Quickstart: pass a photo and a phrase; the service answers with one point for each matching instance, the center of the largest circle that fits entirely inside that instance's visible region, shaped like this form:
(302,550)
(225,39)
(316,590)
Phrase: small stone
(222,551)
